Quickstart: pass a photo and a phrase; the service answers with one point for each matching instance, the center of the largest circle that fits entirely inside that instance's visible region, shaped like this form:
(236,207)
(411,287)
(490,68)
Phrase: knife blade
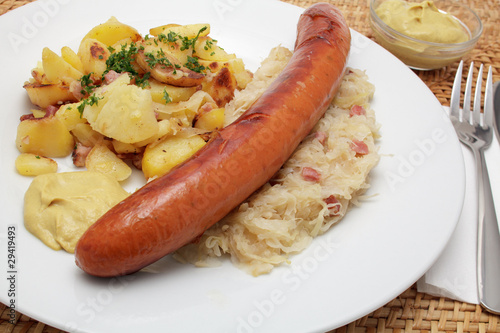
(496,108)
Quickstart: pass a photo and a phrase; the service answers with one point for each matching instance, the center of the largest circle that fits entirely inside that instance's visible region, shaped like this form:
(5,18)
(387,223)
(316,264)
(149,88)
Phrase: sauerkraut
(312,191)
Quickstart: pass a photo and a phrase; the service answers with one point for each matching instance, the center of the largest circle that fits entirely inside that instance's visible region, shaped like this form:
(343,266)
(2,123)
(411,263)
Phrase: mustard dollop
(423,21)
(60,207)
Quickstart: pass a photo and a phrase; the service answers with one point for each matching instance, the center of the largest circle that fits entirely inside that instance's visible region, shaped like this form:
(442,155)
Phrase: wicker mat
(411,311)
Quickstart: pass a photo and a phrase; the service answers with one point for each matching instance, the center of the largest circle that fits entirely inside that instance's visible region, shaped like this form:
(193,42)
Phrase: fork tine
(467,95)
(477,97)
(455,92)
(488,100)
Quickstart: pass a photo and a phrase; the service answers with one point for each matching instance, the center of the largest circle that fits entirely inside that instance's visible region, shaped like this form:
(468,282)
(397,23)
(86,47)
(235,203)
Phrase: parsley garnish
(187,43)
(166,96)
(87,84)
(91,100)
(193,64)
(121,61)
(159,59)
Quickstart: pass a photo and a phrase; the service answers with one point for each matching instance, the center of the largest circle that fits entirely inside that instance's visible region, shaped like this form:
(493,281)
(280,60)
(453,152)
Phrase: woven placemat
(411,311)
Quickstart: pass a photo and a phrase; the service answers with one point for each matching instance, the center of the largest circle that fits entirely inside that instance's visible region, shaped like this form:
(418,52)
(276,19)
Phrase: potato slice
(125,114)
(125,148)
(34,165)
(72,58)
(57,69)
(165,127)
(93,55)
(84,134)
(188,30)
(47,137)
(112,31)
(235,66)
(70,116)
(207,49)
(44,95)
(160,157)
(170,71)
(222,87)
(211,120)
(102,159)
(176,94)
(242,75)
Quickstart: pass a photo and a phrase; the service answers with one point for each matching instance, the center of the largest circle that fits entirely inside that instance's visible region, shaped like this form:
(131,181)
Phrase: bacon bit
(333,205)
(321,137)
(27,117)
(111,76)
(310,174)
(357,110)
(50,111)
(359,147)
(135,158)
(207,107)
(137,161)
(76,89)
(80,154)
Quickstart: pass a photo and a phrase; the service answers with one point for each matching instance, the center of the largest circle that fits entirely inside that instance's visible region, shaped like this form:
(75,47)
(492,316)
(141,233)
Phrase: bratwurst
(175,209)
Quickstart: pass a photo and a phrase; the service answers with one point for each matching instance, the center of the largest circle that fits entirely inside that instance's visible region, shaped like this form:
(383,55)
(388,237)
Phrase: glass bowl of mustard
(425,35)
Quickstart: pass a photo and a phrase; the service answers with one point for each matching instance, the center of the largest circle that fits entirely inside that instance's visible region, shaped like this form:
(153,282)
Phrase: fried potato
(188,30)
(124,113)
(160,157)
(174,94)
(70,116)
(56,69)
(84,134)
(206,48)
(221,87)
(211,120)
(47,137)
(112,31)
(102,159)
(34,165)
(72,58)
(93,55)
(44,95)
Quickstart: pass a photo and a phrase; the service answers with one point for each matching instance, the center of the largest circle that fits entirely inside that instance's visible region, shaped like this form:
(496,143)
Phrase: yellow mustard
(423,21)
(60,207)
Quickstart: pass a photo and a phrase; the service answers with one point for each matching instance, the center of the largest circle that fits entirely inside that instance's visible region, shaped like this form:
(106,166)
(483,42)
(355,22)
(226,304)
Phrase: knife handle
(488,255)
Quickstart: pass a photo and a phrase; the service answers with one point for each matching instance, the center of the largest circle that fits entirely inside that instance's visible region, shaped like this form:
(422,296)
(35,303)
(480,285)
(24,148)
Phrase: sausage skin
(175,209)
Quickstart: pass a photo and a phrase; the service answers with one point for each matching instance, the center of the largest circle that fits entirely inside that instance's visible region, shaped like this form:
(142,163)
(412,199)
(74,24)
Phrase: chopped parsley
(209,43)
(91,100)
(173,37)
(187,43)
(87,84)
(122,60)
(166,96)
(193,64)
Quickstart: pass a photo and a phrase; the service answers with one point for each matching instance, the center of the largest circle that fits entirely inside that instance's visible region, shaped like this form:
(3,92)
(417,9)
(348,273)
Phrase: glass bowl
(423,55)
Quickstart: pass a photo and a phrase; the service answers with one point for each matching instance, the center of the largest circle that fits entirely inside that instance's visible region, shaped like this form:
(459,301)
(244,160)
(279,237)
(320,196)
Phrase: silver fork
(474,129)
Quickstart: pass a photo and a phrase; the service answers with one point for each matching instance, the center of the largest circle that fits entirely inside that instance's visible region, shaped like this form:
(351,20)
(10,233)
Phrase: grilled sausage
(178,207)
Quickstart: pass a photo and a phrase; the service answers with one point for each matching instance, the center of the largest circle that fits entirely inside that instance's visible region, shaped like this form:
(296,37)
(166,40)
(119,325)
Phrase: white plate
(378,251)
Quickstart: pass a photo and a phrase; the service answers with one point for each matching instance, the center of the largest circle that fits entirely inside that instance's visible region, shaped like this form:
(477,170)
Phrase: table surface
(410,311)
